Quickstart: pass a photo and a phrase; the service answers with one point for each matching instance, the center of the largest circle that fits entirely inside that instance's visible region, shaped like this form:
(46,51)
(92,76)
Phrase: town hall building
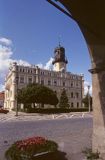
(57,79)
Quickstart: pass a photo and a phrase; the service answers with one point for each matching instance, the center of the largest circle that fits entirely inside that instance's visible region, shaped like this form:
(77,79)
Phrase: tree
(63,103)
(86,101)
(36,93)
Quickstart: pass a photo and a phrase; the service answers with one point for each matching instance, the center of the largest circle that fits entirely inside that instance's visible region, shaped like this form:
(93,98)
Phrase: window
(71,84)
(77,84)
(49,82)
(72,104)
(77,95)
(77,104)
(34,70)
(42,73)
(30,80)
(22,79)
(42,82)
(55,83)
(49,73)
(71,94)
(63,84)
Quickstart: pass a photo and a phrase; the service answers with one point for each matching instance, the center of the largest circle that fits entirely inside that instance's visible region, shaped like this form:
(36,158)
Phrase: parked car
(5,111)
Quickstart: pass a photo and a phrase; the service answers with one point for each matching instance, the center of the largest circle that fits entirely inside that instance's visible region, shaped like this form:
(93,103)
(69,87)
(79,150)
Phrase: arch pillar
(98,84)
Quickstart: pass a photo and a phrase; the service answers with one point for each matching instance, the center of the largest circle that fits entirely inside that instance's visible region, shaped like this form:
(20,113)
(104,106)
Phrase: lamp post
(16,109)
(16,97)
(88,97)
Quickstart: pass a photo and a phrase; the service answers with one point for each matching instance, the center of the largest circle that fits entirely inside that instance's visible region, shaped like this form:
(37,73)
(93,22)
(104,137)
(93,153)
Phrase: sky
(29,32)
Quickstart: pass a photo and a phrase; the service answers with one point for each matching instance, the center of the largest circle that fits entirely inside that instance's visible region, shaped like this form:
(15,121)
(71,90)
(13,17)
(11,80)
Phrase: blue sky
(34,27)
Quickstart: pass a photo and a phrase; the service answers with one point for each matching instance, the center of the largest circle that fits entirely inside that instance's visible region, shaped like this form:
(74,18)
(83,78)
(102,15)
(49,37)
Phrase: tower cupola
(60,59)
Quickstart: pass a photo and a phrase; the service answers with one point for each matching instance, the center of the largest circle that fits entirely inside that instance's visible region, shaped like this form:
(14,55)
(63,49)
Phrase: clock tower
(60,60)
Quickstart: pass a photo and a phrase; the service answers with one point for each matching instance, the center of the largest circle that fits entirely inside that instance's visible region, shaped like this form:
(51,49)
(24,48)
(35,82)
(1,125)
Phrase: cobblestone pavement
(72,134)
(34,116)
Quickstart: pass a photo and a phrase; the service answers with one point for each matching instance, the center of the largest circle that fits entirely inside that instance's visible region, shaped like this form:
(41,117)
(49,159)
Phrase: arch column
(98,84)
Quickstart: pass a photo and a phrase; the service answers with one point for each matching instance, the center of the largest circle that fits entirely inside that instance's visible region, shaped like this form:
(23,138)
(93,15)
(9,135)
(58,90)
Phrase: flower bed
(30,148)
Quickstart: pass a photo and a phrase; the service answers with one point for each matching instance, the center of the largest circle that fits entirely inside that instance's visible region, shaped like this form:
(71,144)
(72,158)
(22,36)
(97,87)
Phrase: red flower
(36,141)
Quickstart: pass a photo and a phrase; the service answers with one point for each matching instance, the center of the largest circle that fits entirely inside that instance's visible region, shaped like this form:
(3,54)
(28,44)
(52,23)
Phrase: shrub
(26,149)
(5,111)
(90,155)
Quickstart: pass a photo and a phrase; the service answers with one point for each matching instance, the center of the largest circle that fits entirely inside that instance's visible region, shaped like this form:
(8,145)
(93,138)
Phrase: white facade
(20,76)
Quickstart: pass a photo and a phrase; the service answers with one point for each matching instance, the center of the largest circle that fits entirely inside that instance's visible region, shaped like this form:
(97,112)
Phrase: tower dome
(59,55)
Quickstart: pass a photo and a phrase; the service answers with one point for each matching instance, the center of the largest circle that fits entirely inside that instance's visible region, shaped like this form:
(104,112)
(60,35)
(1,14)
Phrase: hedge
(55,110)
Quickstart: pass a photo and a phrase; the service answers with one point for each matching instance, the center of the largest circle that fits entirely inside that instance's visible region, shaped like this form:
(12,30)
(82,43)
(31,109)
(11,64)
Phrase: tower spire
(59,40)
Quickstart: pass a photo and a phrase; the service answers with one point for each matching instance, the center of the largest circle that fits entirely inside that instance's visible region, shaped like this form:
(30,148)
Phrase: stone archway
(90,16)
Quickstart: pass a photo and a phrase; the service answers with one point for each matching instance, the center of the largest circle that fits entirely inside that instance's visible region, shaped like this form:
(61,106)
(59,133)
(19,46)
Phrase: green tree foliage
(36,93)
(63,100)
(86,101)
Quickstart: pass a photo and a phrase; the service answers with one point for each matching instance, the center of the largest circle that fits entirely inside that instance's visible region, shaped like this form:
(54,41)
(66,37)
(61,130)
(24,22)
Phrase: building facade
(57,79)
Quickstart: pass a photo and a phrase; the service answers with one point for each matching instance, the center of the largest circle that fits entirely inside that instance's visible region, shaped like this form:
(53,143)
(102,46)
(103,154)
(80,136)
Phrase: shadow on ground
(52,156)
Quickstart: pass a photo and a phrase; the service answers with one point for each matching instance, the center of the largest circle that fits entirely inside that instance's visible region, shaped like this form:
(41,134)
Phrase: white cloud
(2,87)
(5,41)
(40,65)
(86,84)
(6,53)
(21,62)
(48,65)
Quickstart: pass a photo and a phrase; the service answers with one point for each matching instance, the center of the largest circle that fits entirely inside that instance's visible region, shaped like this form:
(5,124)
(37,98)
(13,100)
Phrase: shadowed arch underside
(89,13)
(90,16)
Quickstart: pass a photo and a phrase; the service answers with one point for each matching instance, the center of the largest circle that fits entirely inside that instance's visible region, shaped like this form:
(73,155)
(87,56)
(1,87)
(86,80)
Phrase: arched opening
(90,18)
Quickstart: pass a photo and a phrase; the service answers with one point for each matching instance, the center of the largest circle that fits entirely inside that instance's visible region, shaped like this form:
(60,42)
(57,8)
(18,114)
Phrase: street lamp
(88,97)
(16,95)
